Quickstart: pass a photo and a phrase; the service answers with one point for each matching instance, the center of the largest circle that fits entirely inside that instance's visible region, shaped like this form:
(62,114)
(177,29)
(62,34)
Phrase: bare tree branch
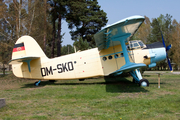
(31,20)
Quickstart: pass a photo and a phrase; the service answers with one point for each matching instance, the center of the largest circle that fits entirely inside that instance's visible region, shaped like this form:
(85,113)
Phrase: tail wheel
(144,83)
(36,83)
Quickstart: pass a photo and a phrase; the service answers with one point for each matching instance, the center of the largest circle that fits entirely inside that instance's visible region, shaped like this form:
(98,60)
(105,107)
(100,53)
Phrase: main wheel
(144,83)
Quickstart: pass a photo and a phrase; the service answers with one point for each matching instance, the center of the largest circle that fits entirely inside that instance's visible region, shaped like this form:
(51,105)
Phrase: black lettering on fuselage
(43,72)
(49,71)
(64,67)
(70,66)
(59,68)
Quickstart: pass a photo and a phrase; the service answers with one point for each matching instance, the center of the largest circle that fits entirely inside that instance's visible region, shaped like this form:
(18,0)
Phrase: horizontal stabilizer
(22,59)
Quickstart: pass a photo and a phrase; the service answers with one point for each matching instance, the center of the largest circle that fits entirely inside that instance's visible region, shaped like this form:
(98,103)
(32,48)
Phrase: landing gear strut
(37,83)
(137,78)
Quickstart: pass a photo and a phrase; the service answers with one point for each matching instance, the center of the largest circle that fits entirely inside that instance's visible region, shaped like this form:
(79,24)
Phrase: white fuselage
(85,64)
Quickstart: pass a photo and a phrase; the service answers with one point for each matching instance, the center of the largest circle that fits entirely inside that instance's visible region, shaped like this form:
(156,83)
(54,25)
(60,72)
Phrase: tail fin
(25,50)
(26,46)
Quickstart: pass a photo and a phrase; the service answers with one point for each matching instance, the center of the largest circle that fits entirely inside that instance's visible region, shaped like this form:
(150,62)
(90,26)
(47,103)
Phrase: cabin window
(110,57)
(116,56)
(135,44)
(122,55)
(141,44)
(104,58)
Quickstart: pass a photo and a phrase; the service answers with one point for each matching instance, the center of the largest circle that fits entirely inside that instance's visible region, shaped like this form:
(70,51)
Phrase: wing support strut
(129,65)
(28,63)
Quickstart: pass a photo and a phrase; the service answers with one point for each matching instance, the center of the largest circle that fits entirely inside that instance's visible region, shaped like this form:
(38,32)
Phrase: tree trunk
(20,5)
(17,28)
(53,39)
(3,69)
(59,36)
(45,2)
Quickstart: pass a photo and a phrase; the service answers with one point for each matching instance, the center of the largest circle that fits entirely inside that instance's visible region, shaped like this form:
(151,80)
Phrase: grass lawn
(91,99)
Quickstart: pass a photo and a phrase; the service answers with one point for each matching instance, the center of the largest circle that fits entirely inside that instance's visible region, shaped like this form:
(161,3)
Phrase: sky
(119,9)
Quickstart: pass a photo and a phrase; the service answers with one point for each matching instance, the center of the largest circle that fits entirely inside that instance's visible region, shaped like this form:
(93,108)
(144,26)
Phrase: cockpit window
(135,44)
(141,44)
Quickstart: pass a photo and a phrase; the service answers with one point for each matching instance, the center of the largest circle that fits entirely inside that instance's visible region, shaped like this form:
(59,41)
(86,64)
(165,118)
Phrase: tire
(144,83)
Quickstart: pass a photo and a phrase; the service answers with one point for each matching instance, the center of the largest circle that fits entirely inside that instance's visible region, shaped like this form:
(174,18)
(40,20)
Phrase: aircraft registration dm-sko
(115,54)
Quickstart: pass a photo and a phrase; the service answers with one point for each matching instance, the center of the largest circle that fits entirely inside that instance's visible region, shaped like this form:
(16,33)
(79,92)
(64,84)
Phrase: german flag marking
(18,47)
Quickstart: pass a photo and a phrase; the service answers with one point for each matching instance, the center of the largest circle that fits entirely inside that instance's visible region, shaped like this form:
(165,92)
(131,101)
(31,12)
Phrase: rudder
(26,46)
(25,50)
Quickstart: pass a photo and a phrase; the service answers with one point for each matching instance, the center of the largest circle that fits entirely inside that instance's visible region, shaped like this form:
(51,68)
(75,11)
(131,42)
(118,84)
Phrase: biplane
(114,55)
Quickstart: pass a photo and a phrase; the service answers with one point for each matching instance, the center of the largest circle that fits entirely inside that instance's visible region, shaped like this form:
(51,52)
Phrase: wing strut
(129,65)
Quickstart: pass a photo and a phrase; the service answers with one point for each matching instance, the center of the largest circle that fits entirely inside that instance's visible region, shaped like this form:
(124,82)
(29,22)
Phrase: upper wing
(121,30)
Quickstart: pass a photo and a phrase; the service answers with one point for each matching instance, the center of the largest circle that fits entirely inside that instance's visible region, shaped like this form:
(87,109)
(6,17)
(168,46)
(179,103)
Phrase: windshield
(135,44)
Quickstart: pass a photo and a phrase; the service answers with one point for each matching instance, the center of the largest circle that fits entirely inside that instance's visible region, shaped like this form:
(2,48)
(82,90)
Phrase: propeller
(167,49)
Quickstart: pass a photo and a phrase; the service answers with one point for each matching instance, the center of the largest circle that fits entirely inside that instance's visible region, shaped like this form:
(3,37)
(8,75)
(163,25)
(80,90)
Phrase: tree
(85,19)
(5,43)
(5,54)
(67,49)
(164,24)
(45,24)
(144,31)
(58,12)
(155,35)
(175,42)
(81,44)
(61,15)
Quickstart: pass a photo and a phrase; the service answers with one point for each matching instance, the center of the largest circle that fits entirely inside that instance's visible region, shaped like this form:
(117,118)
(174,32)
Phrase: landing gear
(137,78)
(144,83)
(134,81)
(37,83)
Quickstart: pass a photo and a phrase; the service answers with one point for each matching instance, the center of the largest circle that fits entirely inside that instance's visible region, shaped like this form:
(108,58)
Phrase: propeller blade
(163,40)
(169,63)
(168,48)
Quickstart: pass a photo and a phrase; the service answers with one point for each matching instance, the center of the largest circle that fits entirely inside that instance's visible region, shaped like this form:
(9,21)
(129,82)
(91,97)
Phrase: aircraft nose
(157,54)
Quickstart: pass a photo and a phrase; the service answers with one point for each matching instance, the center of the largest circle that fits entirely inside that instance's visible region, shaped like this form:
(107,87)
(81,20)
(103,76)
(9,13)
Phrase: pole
(159,80)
